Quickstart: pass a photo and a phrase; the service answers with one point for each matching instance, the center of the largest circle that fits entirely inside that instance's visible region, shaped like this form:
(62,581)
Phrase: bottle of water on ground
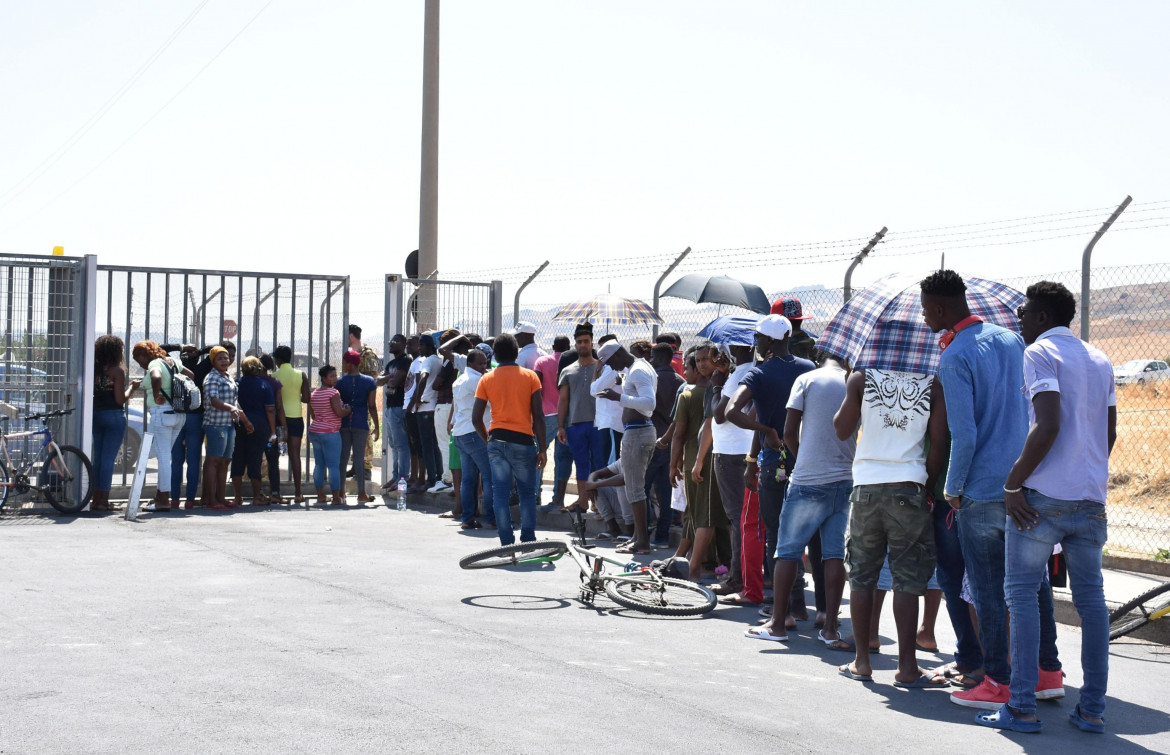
(402,494)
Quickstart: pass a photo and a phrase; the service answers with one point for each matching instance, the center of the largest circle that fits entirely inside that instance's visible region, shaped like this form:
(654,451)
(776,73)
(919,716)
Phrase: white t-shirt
(727,438)
(608,414)
(895,413)
(411,381)
(430,397)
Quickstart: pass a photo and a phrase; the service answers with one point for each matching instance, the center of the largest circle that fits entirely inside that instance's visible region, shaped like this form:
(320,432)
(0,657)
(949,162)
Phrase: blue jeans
(399,443)
(188,448)
(327,458)
(658,481)
(586,447)
(981,534)
(473,454)
(1080,527)
(562,457)
(430,446)
(109,428)
(508,461)
(812,509)
(948,572)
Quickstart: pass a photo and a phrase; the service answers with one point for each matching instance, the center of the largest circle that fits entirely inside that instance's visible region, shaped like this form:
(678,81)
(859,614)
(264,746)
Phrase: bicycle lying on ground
(64,474)
(635,586)
(1151,605)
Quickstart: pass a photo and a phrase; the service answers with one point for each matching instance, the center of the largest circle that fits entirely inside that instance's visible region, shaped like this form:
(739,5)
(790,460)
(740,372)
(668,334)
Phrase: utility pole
(428,205)
(859,259)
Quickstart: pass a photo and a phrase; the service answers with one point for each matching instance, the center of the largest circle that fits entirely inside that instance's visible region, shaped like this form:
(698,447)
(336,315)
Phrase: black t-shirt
(393,396)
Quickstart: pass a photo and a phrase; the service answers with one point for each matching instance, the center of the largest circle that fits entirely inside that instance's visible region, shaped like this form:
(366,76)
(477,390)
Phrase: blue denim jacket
(982,375)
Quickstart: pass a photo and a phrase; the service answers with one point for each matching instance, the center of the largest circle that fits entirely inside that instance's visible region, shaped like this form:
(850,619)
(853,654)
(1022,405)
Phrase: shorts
(221,440)
(637,450)
(886,580)
(809,509)
(454,460)
(894,520)
(296,427)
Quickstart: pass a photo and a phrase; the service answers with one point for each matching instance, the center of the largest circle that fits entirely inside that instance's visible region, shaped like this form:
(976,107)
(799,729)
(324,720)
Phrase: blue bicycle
(63,477)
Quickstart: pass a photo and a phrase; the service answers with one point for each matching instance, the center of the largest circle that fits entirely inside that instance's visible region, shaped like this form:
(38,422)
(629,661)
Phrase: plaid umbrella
(614,309)
(882,326)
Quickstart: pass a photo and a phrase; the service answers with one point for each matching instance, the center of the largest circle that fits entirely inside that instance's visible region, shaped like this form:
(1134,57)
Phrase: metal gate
(414,306)
(254,310)
(46,357)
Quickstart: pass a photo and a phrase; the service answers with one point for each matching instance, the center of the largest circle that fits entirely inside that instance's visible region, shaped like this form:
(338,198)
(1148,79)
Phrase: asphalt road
(355,631)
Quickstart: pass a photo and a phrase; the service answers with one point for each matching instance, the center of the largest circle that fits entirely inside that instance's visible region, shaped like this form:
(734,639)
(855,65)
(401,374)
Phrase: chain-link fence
(1130,318)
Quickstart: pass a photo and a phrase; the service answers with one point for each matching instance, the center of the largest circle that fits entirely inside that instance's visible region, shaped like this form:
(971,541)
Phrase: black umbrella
(720,289)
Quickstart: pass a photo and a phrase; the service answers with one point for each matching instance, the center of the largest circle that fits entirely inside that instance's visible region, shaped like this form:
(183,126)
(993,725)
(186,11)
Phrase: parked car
(1141,371)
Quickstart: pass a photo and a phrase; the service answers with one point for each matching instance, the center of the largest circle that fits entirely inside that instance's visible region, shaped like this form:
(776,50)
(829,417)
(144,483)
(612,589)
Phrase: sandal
(630,550)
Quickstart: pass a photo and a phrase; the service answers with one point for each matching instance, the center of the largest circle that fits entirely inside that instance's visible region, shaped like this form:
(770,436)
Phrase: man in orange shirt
(516,440)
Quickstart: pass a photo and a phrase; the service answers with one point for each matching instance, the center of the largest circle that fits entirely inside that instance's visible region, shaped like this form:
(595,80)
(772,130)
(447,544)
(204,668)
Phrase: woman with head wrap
(221,414)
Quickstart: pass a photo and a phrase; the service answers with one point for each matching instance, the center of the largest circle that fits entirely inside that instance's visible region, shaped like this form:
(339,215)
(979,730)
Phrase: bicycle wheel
(518,553)
(5,489)
(671,597)
(65,482)
(1138,611)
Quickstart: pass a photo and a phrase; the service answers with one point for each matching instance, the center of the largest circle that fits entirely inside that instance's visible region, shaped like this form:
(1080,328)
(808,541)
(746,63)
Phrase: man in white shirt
(525,333)
(732,445)
(422,402)
(637,402)
(473,452)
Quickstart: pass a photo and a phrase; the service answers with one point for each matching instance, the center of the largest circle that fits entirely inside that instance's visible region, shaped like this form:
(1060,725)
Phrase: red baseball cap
(789,306)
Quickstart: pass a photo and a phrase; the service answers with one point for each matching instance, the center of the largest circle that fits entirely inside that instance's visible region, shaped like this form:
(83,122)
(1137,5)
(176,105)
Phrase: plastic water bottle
(283,448)
(402,494)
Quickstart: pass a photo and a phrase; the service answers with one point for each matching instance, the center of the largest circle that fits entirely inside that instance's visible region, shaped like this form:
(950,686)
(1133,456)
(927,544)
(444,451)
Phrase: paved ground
(355,631)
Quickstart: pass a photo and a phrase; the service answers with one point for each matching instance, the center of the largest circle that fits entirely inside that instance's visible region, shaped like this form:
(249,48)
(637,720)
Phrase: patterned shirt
(220,386)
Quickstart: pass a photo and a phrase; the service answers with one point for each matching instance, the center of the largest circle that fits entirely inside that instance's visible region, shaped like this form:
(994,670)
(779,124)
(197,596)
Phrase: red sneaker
(987,696)
(1051,685)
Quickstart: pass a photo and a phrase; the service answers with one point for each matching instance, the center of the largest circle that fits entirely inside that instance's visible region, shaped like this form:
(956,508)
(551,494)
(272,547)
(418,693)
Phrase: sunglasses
(1021,311)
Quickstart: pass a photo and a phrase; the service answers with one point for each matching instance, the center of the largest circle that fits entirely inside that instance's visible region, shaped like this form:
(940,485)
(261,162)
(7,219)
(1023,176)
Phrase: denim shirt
(982,374)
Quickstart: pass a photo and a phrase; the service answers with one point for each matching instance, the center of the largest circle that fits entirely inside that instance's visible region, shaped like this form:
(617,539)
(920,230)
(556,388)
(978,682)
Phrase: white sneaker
(439,487)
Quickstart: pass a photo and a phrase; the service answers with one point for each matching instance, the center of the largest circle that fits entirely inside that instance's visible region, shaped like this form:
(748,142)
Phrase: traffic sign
(229,329)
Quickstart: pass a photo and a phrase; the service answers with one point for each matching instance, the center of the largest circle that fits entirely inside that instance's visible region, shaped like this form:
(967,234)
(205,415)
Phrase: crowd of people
(763,452)
(242,425)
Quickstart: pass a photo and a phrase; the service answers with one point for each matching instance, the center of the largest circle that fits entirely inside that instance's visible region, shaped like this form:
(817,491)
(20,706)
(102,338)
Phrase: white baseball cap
(776,327)
(607,350)
(524,327)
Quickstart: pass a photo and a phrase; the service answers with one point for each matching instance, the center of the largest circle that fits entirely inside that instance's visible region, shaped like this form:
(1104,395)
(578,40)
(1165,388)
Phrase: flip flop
(603,536)
(736,599)
(447,515)
(628,550)
(1002,718)
(925,649)
(851,674)
(925,681)
(764,634)
(838,644)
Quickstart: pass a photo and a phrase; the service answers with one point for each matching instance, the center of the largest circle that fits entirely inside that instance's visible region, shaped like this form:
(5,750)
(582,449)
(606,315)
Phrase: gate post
(84,330)
(496,302)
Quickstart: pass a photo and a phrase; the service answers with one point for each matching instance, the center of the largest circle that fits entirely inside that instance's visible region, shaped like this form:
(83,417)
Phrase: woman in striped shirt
(325,413)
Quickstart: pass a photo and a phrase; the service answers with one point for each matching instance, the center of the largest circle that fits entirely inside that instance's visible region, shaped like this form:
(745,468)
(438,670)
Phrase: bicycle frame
(28,465)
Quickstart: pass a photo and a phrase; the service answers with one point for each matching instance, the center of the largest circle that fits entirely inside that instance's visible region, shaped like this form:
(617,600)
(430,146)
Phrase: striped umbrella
(616,310)
(882,326)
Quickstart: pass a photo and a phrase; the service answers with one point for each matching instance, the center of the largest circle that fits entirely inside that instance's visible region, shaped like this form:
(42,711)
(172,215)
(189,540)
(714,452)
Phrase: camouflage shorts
(894,519)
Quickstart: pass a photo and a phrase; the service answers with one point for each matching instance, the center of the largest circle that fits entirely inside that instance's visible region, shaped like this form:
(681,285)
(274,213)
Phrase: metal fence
(256,311)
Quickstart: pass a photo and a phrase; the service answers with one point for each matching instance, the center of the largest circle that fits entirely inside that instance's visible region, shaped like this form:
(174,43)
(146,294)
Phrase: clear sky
(585,132)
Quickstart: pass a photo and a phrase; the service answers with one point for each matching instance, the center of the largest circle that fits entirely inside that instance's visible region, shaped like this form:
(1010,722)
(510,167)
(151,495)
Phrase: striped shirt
(325,420)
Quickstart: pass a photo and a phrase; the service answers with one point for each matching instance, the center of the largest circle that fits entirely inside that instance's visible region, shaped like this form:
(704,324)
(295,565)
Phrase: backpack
(185,396)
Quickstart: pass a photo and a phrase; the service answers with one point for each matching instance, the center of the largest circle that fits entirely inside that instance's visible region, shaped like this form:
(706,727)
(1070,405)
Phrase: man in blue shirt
(981,372)
(359,392)
(768,387)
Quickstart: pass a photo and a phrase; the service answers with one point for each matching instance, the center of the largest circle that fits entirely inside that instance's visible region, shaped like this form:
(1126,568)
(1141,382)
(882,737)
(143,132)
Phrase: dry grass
(1139,471)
